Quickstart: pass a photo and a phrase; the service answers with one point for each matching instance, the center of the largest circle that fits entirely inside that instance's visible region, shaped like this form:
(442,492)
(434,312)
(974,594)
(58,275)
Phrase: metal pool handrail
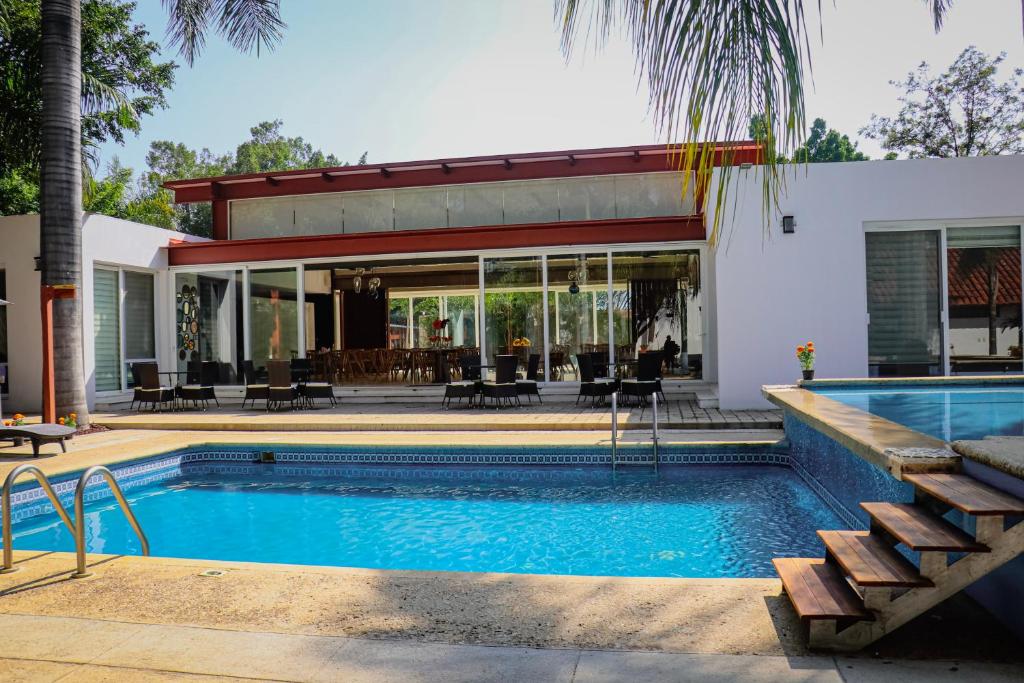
(79,530)
(615,428)
(5,510)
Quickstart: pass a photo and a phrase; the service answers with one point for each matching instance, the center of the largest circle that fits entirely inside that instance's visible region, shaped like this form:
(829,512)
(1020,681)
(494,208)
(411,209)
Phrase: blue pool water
(686,521)
(946,412)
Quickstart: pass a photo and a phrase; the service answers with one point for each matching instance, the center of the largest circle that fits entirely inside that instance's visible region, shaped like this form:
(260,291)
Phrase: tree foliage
(121,79)
(267,149)
(965,111)
(824,144)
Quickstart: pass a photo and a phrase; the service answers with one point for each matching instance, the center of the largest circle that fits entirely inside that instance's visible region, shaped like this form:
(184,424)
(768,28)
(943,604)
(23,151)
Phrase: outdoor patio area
(673,415)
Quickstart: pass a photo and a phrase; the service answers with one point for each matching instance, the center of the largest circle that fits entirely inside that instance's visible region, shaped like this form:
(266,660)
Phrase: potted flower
(805,354)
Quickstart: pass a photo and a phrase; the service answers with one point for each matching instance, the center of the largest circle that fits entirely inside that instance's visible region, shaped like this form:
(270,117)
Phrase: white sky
(415,79)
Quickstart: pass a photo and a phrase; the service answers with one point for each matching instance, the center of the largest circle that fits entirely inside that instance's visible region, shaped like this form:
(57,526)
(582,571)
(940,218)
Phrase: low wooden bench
(39,435)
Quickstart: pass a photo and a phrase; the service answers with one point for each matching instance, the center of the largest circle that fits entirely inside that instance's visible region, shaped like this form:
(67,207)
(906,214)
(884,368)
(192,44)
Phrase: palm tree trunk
(60,214)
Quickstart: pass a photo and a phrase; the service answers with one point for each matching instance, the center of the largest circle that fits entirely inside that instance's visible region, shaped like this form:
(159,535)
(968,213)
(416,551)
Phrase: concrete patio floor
(148,618)
(674,414)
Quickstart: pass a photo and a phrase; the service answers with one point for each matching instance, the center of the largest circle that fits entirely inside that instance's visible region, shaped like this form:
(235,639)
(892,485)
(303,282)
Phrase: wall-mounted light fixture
(788,225)
(39,263)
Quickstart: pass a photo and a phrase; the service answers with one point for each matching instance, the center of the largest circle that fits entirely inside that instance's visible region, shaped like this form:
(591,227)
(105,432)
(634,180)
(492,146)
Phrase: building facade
(893,268)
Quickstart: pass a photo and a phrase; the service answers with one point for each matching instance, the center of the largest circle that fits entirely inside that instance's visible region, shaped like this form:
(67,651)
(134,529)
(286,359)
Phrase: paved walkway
(61,648)
(429,416)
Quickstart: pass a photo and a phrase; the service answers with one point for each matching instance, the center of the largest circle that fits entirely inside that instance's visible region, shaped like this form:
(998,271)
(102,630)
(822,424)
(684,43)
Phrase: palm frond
(250,23)
(938,9)
(710,66)
(246,24)
(98,97)
(187,22)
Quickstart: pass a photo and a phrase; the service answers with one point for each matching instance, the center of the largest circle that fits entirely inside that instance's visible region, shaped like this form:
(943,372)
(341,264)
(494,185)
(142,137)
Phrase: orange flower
(810,345)
(19,416)
(72,415)
(799,349)
(60,420)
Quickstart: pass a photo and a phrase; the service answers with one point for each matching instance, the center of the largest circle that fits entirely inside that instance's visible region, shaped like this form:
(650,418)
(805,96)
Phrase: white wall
(776,291)
(105,241)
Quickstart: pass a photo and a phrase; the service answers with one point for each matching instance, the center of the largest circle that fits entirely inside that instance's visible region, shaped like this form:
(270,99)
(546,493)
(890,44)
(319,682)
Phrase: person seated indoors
(670,351)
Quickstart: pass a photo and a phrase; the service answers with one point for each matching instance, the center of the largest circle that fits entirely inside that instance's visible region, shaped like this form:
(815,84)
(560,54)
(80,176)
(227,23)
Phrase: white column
(611,313)
(246,316)
(544,303)
(120,319)
(482,313)
(300,300)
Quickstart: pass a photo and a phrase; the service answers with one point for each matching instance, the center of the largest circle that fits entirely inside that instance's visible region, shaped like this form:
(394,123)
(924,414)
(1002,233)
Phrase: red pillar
(46,297)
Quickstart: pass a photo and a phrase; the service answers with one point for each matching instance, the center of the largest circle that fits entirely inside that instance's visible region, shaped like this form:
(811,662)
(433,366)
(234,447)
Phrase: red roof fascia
(471,240)
(496,168)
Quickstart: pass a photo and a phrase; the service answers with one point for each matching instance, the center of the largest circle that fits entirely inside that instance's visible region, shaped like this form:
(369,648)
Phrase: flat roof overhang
(470,240)
(495,168)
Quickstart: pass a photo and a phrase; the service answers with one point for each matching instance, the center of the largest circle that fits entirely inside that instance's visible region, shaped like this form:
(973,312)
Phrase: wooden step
(919,529)
(967,494)
(870,562)
(818,589)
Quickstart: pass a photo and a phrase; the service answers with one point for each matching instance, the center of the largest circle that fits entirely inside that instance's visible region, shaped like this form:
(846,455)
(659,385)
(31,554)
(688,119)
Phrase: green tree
(115,195)
(267,149)
(822,145)
(962,112)
(826,144)
(122,81)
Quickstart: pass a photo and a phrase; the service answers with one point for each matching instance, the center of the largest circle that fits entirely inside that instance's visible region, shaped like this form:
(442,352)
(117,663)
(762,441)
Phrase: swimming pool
(947,412)
(685,521)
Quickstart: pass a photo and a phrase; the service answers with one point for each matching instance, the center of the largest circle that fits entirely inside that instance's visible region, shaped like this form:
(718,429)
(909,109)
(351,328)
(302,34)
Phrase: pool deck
(142,618)
(675,414)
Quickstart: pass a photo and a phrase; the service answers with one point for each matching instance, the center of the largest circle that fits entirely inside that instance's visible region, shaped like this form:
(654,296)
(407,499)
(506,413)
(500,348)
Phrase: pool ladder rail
(77,527)
(616,462)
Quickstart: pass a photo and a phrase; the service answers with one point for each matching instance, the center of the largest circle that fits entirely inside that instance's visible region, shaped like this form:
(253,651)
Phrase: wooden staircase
(864,588)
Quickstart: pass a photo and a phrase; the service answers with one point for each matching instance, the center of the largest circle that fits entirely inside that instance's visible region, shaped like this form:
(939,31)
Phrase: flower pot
(808,374)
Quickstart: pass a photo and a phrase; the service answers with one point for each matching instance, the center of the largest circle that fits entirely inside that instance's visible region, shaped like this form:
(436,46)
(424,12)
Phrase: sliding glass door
(904,303)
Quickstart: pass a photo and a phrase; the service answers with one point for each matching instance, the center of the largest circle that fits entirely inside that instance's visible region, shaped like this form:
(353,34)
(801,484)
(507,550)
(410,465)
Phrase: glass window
(421,208)
(318,214)
(984,268)
(904,303)
(535,201)
(461,312)
(399,330)
(577,289)
(107,329)
(255,218)
(470,205)
(209,322)
(585,199)
(425,310)
(139,339)
(513,295)
(656,306)
(369,211)
(652,194)
(273,315)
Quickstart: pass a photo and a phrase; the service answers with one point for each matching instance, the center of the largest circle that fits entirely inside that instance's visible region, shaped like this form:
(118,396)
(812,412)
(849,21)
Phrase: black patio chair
(136,385)
(503,389)
(592,387)
(468,386)
(647,380)
(201,390)
(256,388)
(152,392)
(280,388)
(528,387)
(309,392)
